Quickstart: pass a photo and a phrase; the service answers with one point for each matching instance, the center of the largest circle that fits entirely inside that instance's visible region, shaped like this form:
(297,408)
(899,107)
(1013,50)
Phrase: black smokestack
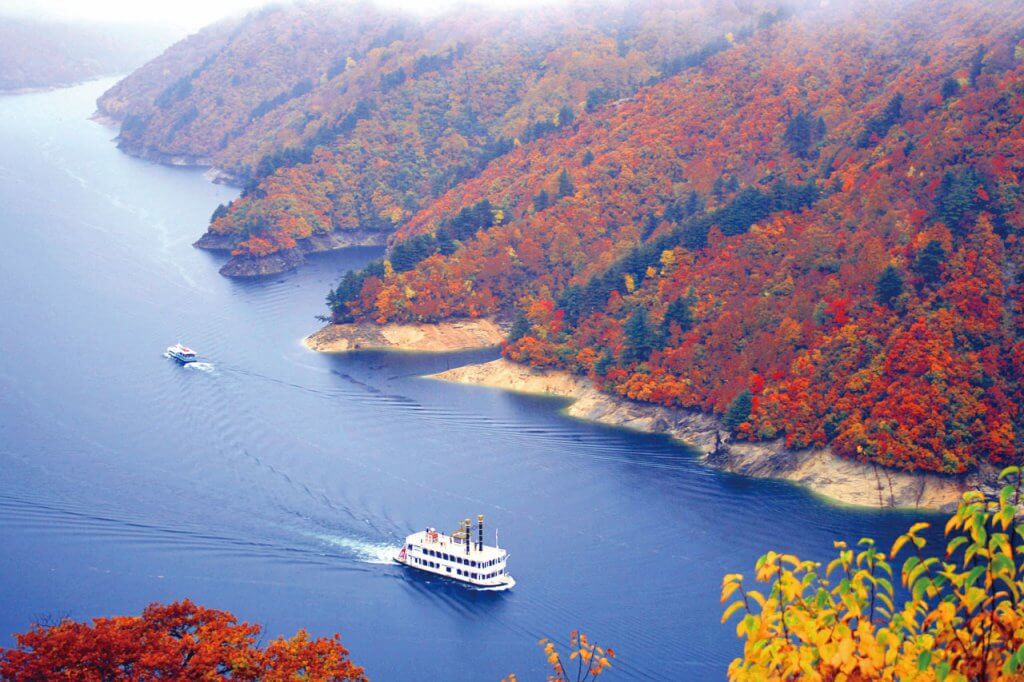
(468,525)
(480,532)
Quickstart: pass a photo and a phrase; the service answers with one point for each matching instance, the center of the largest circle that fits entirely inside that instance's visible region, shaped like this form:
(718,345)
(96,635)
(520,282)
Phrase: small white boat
(181,353)
(458,556)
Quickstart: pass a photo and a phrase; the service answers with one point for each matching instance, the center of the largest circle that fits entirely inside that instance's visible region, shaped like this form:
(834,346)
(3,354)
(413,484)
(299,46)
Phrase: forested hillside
(814,233)
(45,54)
(348,119)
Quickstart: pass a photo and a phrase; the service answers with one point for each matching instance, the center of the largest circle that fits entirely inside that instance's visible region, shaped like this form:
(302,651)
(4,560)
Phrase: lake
(275,482)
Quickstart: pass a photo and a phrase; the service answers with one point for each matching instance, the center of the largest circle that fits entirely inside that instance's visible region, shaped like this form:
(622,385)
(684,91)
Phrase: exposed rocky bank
(819,469)
(443,337)
(283,261)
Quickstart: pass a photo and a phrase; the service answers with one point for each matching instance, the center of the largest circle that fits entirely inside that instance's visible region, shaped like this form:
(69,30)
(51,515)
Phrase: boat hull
(505,582)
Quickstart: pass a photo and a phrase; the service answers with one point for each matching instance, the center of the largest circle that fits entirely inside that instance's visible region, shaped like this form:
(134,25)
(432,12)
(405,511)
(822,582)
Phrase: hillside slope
(816,235)
(342,121)
(46,54)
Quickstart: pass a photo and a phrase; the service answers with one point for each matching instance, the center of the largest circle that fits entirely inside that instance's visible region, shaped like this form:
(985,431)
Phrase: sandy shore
(820,470)
(442,337)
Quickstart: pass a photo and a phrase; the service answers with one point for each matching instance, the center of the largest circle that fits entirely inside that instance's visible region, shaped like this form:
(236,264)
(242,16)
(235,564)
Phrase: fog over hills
(42,53)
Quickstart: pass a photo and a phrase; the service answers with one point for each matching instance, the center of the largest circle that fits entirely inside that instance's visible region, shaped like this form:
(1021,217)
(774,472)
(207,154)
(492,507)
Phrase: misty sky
(185,14)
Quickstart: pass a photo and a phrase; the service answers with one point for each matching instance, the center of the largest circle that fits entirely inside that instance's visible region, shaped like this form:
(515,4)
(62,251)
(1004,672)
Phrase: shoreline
(243,267)
(50,87)
(819,470)
(443,337)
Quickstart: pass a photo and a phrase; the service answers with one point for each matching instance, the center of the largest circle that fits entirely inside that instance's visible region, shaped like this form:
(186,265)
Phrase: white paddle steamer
(458,556)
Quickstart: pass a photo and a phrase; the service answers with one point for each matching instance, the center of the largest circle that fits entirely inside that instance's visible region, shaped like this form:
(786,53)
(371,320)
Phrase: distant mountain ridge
(43,53)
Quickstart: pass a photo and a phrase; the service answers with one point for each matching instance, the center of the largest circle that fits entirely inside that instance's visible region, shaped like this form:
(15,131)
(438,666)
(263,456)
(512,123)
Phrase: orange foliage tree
(174,641)
(867,278)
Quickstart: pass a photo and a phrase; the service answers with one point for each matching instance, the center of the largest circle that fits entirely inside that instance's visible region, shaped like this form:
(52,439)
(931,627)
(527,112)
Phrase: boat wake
(200,366)
(366,552)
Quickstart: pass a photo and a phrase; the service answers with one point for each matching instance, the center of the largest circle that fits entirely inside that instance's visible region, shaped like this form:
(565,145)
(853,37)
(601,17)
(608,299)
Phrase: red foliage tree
(174,641)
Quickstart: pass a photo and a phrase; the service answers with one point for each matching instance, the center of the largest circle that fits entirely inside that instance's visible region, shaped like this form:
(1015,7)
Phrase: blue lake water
(276,482)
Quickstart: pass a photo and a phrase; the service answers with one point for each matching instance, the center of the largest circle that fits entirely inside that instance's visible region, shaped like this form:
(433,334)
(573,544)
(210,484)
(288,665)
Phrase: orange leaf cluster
(175,641)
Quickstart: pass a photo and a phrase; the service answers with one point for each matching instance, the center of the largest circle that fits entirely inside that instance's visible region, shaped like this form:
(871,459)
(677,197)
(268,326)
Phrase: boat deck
(446,544)
(445,555)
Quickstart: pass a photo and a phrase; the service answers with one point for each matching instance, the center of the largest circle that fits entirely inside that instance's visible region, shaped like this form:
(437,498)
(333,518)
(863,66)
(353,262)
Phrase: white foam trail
(367,552)
(200,366)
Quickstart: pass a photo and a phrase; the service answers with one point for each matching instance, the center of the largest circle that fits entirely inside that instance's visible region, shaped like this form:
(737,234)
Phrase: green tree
(889,285)
(520,327)
(878,126)
(957,201)
(977,65)
(604,363)
(694,205)
(738,410)
(928,264)
(950,88)
(541,201)
(677,314)
(639,337)
(803,133)
(565,186)
(566,115)
(407,254)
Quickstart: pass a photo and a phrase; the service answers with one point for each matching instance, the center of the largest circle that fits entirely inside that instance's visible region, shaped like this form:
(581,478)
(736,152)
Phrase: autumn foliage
(349,117)
(174,641)
(963,618)
(585,662)
(809,233)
